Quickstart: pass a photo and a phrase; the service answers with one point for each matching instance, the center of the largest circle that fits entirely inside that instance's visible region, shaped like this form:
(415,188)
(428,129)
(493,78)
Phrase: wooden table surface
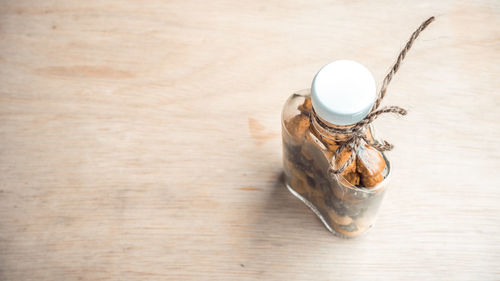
(140,140)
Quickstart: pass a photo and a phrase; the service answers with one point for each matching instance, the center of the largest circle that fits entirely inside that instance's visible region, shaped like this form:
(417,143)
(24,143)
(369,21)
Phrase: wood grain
(140,140)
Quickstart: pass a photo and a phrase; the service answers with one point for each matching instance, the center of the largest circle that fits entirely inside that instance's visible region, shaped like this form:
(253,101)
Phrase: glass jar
(347,203)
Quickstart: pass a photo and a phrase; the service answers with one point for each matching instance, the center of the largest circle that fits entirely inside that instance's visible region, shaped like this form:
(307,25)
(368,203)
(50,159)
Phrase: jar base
(322,219)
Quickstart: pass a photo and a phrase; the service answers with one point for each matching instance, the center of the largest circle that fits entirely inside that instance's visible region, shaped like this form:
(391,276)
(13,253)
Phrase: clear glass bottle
(342,94)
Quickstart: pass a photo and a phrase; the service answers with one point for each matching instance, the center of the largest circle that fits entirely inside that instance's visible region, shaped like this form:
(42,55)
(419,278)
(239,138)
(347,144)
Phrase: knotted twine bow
(356,132)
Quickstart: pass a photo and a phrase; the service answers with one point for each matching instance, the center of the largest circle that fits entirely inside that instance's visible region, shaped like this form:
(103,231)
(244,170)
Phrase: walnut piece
(298,126)
(306,107)
(370,165)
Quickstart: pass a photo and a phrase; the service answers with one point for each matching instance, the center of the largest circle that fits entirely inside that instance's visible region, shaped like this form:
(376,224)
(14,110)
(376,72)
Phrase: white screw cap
(343,92)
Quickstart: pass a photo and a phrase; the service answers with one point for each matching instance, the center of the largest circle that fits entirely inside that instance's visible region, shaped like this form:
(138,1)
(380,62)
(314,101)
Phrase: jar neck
(320,129)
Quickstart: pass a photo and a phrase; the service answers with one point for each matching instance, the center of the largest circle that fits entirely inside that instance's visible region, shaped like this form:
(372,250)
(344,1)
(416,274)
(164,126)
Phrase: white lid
(343,92)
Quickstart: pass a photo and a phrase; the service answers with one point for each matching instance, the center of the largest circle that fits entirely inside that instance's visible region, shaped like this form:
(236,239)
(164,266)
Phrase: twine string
(356,132)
